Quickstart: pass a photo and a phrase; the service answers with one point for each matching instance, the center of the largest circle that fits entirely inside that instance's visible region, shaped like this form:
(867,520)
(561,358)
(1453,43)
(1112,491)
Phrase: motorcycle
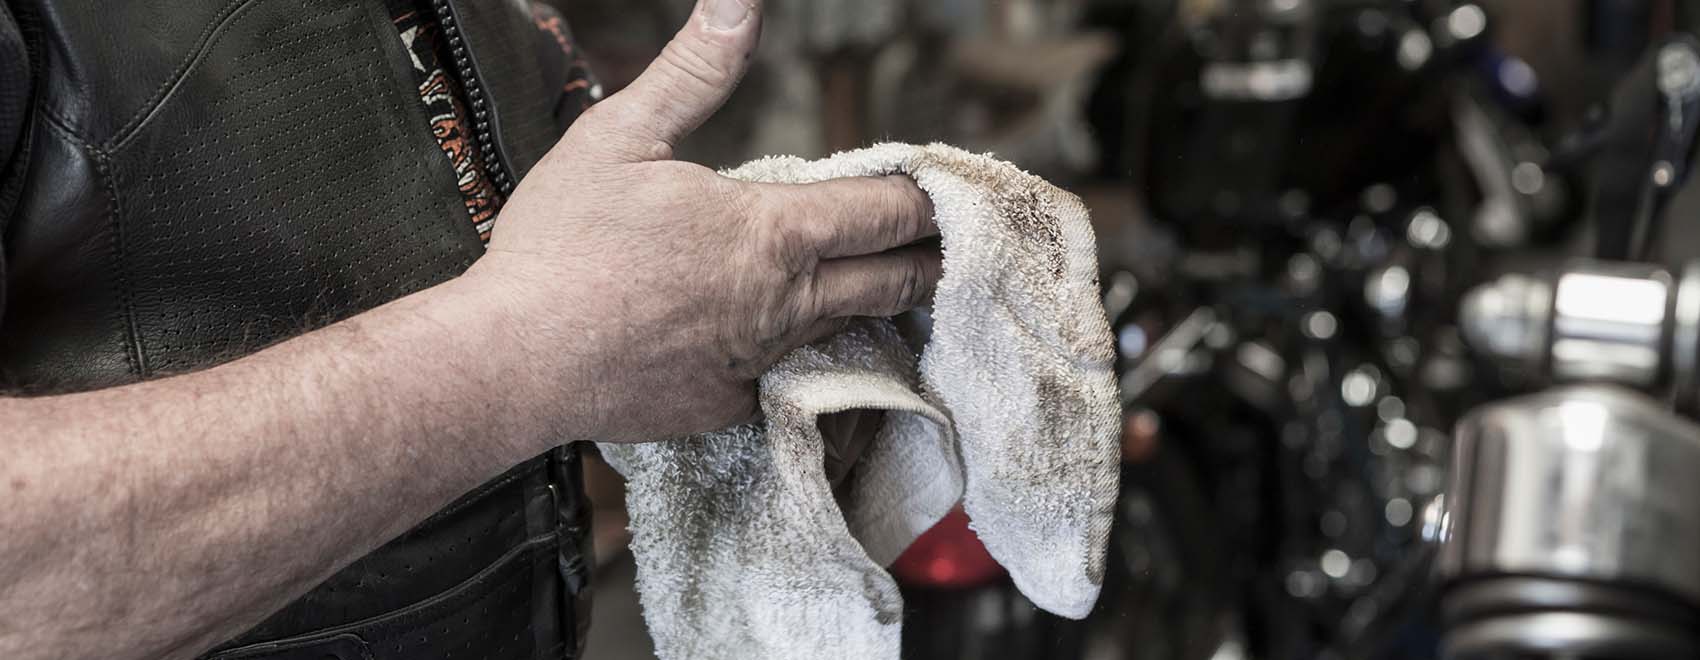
(1569,526)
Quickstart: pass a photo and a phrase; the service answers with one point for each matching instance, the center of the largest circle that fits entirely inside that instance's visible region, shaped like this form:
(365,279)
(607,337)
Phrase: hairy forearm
(157,519)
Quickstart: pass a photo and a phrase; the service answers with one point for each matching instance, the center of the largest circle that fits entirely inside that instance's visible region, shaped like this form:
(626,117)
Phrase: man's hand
(671,288)
(625,296)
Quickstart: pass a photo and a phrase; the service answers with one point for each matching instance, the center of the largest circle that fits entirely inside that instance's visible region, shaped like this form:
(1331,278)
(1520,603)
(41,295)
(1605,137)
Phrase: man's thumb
(690,80)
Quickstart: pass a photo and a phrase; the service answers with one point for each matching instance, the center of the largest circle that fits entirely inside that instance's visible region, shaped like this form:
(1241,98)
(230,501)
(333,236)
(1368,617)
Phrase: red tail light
(949,556)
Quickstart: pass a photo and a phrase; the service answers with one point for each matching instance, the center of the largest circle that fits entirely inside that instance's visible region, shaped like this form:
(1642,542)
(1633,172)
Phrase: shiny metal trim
(1685,338)
(1608,323)
(1591,482)
(1566,635)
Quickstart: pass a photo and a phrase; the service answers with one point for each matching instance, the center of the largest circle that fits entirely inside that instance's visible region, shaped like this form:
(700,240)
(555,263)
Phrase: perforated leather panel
(236,218)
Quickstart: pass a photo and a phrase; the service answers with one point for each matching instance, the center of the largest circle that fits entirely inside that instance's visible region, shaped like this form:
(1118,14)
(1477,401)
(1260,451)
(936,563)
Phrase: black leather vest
(197,179)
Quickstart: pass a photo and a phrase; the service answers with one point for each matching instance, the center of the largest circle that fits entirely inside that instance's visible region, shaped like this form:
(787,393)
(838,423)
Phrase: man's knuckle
(904,207)
(793,241)
(745,202)
(816,301)
(689,58)
(649,149)
(909,293)
(605,129)
(772,316)
(793,314)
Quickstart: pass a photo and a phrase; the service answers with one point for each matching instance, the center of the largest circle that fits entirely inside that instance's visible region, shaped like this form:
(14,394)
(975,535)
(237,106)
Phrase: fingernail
(727,14)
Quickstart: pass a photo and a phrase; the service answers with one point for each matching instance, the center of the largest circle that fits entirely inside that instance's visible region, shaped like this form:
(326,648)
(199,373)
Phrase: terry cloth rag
(742,549)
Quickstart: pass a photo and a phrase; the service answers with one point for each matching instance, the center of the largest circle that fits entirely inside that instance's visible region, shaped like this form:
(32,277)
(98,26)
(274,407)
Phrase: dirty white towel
(742,550)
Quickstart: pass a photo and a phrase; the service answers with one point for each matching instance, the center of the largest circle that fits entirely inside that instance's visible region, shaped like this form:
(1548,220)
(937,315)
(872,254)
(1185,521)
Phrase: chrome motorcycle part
(1630,324)
(1508,319)
(1568,529)
(1608,323)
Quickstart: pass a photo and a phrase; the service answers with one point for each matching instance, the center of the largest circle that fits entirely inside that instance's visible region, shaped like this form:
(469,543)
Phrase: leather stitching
(134,357)
(138,358)
(203,44)
(63,125)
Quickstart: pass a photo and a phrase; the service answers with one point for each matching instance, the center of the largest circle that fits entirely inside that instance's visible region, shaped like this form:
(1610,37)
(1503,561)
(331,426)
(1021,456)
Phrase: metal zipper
(473,86)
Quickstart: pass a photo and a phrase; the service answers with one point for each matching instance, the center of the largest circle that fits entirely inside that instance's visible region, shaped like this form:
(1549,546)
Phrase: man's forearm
(639,298)
(157,519)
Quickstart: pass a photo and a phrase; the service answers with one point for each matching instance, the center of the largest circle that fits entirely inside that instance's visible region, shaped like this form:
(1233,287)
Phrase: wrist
(534,376)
